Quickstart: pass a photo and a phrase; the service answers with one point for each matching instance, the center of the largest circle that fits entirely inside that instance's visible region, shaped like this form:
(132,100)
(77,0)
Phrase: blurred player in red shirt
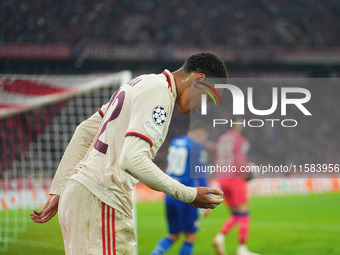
(232,148)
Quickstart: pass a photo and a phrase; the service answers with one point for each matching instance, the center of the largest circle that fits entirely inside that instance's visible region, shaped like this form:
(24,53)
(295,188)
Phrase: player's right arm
(75,151)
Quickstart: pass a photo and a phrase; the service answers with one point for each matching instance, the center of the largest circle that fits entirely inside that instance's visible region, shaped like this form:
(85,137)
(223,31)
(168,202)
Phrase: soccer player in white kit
(113,150)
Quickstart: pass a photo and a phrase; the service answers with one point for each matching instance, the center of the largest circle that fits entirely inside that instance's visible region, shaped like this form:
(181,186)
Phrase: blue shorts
(182,217)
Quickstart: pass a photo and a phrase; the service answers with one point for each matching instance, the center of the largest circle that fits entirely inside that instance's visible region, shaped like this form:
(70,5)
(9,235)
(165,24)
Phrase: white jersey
(143,107)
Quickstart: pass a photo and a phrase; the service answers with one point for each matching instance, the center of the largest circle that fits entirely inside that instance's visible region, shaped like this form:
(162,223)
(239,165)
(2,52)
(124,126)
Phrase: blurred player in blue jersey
(185,152)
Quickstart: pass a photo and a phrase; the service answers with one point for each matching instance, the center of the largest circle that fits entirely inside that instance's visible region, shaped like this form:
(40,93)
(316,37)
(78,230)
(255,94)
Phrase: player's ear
(199,77)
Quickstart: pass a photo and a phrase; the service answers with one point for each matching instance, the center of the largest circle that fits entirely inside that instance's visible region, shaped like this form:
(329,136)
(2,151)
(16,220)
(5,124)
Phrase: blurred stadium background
(61,60)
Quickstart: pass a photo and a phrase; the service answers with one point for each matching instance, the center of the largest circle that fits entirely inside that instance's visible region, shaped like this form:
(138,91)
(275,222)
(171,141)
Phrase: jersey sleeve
(135,161)
(150,115)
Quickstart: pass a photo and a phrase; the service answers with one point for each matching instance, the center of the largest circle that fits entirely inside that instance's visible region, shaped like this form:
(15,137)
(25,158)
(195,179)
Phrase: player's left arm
(135,161)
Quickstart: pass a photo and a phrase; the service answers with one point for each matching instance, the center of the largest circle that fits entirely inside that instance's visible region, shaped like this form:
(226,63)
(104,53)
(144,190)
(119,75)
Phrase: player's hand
(49,210)
(203,200)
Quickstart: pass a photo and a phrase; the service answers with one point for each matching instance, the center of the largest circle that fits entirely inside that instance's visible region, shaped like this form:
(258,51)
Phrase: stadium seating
(291,23)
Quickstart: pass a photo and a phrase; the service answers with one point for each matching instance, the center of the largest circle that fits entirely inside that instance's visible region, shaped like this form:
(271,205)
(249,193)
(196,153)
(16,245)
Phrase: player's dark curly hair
(206,62)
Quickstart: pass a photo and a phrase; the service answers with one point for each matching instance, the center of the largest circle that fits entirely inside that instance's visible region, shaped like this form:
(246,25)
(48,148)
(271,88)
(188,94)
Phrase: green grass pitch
(294,225)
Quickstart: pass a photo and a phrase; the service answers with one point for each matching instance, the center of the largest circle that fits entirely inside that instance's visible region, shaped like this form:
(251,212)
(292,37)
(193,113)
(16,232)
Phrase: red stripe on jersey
(103,228)
(145,138)
(108,230)
(113,232)
(169,82)
(101,112)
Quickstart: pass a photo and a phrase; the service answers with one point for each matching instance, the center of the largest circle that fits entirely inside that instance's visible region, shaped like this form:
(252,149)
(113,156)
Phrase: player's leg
(240,210)
(164,244)
(243,216)
(80,220)
(173,220)
(190,225)
(188,245)
(90,226)
(125,238)
(219,240)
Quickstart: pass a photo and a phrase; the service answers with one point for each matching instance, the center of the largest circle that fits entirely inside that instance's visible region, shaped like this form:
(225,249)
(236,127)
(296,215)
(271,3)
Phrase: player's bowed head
(196,69)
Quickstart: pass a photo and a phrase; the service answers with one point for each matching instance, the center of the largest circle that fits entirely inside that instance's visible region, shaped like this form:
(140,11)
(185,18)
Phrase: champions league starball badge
(159,115)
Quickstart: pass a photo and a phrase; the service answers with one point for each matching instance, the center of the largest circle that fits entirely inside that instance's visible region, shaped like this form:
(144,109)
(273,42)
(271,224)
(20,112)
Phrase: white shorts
(91,227)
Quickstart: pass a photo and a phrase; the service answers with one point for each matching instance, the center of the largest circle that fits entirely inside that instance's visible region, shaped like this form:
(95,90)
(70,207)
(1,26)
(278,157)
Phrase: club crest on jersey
(159,115)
